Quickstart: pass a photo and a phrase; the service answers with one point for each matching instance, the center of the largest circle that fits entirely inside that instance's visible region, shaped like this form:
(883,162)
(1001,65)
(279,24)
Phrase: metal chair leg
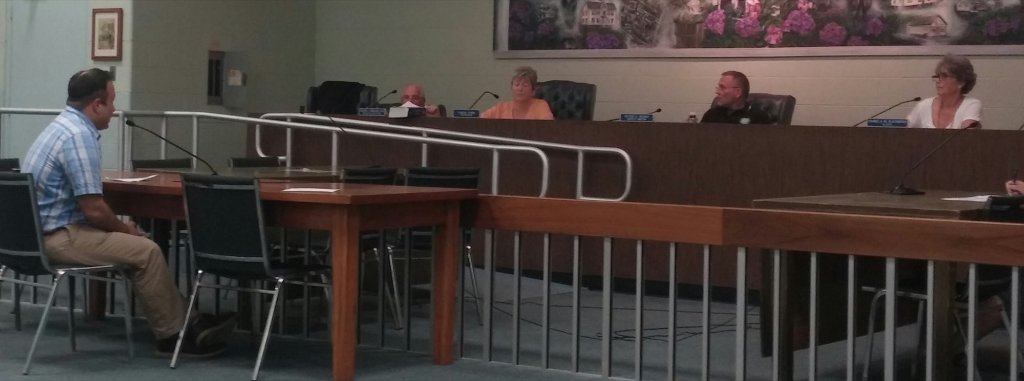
(71,313)
(920,339)
(17,303)
(476,290)
(129,297)
(42,321)
(188,315)
(871,333)
(266,329)
(396,300)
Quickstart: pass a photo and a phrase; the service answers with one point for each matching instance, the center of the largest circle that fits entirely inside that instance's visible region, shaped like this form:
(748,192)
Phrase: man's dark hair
(87,85)
(742,80)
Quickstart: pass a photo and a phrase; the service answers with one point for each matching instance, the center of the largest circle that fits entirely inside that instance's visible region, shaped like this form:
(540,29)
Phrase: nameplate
(887,122)
(466,113)
(636,117)
(371,111)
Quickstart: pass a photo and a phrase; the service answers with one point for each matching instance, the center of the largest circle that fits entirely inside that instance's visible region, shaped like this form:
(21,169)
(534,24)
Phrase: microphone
(386,95)
(481,96)
(914,99)
(902,190)
(132,123)
(657,110)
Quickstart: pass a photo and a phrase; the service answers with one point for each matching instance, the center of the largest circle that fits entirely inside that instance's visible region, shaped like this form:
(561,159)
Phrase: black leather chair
(226,231)
(568,99)
(21,250)
(254,162)
(779,107)
(340,97)
(9,165)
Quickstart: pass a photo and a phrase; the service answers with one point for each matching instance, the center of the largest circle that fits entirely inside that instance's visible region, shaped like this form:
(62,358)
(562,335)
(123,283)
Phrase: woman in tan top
(523,105)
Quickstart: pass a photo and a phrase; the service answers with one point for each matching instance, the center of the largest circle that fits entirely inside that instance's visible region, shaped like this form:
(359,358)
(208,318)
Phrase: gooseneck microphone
(914,99)
(386,95)
(903,190)
(132,123)
(481,96)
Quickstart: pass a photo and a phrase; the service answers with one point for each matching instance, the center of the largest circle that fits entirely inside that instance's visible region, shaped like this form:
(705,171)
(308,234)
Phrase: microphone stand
(481,96)
(915,99)
(386,95)
(903,190)
(132,123)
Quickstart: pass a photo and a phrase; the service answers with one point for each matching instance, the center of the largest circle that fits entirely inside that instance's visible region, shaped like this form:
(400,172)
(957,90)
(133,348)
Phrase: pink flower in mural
(832,34)
(800,22)
(715,22)
(804,5)
(874,27)
(748,27)
(856,41)
(773,35)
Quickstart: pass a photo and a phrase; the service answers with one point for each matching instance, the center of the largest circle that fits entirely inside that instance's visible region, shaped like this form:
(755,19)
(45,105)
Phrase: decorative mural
(639,25)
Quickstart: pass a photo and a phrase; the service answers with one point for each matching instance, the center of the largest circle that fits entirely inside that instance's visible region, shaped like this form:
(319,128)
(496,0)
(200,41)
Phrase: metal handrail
(581,151)
(126,135)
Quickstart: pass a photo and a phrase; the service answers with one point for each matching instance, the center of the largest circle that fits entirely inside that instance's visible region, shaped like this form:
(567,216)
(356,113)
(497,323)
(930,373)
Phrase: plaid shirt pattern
(65,162)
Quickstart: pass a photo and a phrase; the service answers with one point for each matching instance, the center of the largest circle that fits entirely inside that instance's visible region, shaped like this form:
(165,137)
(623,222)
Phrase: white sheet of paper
(981,198)
(320,190)
(133,179)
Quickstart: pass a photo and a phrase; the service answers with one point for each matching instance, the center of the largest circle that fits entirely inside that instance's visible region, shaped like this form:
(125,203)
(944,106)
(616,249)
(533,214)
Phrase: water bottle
(692,118)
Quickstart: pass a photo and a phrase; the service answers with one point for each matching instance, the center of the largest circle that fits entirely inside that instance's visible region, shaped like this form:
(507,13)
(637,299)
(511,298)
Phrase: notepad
(981,198)
(319,190)
(132,179)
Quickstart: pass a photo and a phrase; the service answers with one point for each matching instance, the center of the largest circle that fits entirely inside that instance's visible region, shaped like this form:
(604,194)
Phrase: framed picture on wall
(106,34)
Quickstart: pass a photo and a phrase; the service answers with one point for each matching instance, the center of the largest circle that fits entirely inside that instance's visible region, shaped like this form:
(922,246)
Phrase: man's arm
(99,215)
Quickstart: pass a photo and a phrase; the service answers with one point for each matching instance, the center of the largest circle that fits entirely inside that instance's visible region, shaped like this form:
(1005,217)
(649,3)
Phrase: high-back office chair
(568,99)
(254,162)
(779,107)
(421,240)
(340,97)
(9,165)
(226,231)
(22,250)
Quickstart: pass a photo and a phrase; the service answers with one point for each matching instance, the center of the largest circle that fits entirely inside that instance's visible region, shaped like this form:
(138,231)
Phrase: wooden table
(353,208)
(309,173)
(929,205)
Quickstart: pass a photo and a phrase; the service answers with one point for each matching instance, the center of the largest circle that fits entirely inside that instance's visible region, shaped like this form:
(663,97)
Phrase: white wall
(171,44)
(447,46)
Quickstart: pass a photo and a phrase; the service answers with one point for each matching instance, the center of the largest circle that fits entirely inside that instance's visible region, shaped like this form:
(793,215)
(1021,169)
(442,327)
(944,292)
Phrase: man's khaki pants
(162,304)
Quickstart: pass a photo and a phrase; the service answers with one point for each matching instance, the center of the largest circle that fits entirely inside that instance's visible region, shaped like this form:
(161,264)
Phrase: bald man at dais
(413,93)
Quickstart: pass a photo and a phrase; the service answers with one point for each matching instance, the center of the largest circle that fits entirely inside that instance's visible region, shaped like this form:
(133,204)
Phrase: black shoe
(210,330)
(165,348)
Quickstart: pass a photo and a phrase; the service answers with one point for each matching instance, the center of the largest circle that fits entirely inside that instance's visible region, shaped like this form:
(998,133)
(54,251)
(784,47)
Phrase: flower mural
(683,24)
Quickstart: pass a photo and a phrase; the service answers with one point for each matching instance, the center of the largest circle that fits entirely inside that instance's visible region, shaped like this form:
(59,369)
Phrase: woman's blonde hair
(526,72)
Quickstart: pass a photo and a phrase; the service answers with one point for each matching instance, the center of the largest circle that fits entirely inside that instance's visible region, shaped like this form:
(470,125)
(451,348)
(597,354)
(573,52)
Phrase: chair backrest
(161,163)
(779,107)
(225,222)
(568,99)
(467,178)
(21,236)
(370,175)
(340,97)
(9,165)
(253,162)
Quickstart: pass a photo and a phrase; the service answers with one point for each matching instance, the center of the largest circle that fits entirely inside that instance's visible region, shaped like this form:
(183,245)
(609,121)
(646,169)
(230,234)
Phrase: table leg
(97,300)
(446,261)
(344,292)
(943,314)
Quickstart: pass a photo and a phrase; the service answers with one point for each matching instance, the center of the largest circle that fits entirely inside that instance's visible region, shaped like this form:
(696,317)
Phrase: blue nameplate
(371,111)
(636,117)
(466,113)
(887,122)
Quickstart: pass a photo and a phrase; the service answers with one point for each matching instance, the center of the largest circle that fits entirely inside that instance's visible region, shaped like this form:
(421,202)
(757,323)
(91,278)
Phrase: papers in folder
(981,198)
(315,190)
(132,179)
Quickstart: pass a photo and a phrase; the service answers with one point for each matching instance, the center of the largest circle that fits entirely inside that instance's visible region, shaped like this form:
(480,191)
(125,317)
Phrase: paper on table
(321,190)
(981,198)
(133,179)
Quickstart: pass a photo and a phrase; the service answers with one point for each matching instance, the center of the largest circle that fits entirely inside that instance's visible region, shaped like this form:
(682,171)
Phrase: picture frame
(107,31)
